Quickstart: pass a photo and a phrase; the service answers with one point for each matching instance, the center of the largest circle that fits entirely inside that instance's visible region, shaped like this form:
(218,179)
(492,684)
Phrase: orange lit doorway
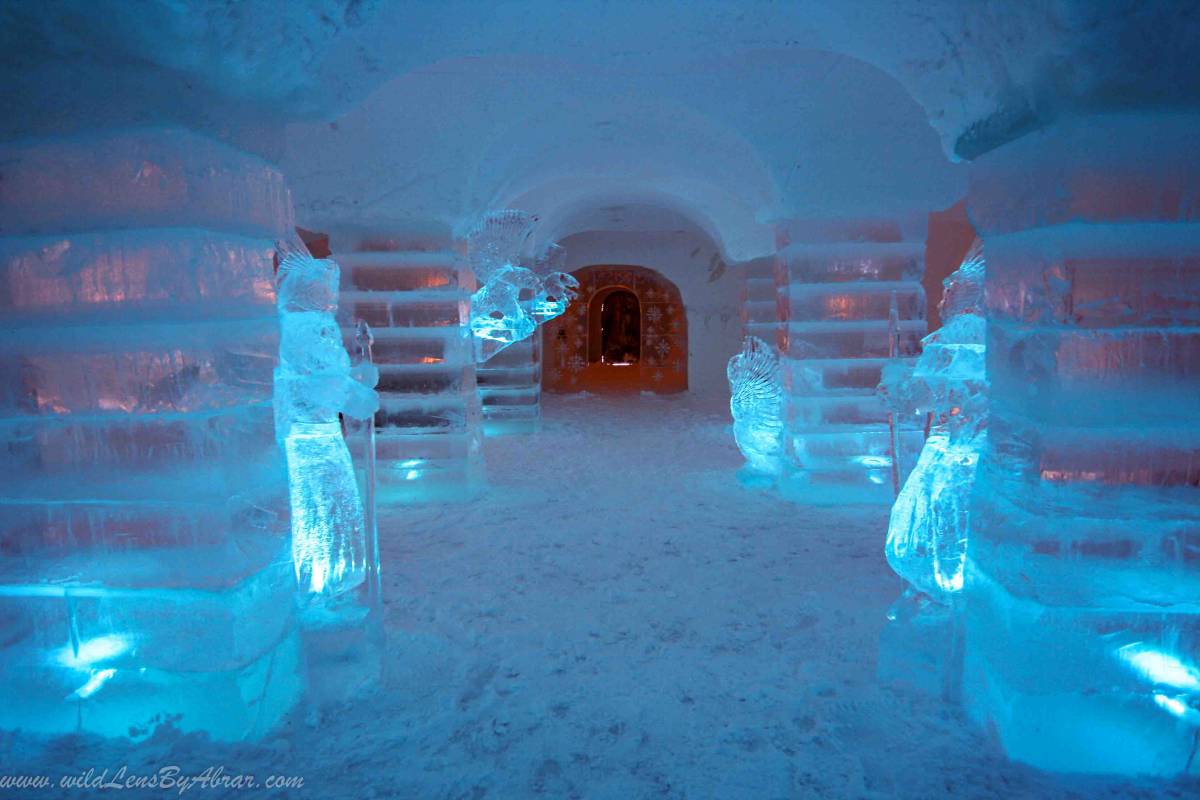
(625,332)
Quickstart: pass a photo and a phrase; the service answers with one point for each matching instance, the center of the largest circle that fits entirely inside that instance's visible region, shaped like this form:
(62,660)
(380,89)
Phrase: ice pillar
(510,388)
(835,284)
(429,422)
(146,572)
(1083,609)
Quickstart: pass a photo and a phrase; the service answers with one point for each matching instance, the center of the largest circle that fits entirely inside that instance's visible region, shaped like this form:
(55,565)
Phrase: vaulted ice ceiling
(736,141)
(736,113)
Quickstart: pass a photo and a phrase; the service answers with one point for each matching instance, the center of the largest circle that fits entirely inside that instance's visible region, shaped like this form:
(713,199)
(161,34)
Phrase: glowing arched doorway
(625,332)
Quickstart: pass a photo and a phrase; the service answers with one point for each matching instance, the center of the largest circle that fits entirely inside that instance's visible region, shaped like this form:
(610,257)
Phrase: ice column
(429,424)
(146,571)
(1083,575)
(835,282)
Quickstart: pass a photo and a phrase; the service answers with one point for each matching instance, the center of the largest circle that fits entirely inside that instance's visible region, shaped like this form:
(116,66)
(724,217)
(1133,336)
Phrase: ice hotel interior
(618,400)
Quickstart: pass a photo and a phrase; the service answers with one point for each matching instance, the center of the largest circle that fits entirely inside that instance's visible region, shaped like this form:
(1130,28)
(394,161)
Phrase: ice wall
(146,572)
(1083,617)
(417,302)
(836,283)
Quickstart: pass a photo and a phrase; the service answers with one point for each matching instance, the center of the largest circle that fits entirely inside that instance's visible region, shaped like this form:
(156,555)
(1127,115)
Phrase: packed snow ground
(617,617)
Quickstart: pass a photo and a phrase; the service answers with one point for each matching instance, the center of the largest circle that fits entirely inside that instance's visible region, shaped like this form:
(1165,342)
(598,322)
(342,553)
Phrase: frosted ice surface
(313,384)
(310,343)
(553,259)
(513,300)
(308,284)
(554,294)
(757,402)
(927,531)
(328,541)
(929,524)
(498,316)
(498,242)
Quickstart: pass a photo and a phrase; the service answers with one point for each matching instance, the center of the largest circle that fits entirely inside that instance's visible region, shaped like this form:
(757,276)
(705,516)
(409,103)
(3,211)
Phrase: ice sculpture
(557,288)
(928,529)
(498,242)
(512,300)
(314,382)
(498,315)
(757,404)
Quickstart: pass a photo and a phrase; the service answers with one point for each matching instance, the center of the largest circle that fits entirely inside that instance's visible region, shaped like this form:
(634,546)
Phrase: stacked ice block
(429,422)
(146,574)
(510,388)
(761,313)
(1083,576)
(836,282)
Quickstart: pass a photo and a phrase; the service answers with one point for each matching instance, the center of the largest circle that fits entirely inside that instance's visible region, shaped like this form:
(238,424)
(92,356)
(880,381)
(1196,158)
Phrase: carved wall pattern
(664,346)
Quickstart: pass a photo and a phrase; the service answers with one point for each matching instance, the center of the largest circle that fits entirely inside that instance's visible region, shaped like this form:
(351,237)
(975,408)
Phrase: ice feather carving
(756,402)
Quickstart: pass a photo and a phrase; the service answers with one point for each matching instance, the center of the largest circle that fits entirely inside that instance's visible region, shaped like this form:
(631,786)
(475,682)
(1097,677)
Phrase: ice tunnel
(605,399)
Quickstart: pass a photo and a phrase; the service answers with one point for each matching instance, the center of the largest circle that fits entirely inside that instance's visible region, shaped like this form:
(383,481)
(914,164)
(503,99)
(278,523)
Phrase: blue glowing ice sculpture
(314,382)
(512,300)
(757,404)
(929,525)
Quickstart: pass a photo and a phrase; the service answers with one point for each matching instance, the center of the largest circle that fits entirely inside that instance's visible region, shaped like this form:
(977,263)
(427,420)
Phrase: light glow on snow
(92,651)
(1160,668)
(94,684)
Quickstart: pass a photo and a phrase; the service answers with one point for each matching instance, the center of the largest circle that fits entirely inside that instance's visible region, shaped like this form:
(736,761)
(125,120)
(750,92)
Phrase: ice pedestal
(146,573)
(510,388)
(1082,613)
(835,286)
(429,427)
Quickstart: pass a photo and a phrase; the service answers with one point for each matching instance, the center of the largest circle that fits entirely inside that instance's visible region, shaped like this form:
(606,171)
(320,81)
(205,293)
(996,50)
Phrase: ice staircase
(429,421)
(836,283)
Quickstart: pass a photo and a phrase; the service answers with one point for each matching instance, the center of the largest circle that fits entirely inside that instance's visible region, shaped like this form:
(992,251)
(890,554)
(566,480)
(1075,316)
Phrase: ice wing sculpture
(929,524)
(498,242)
(756,402)
(513,300)
(314,383)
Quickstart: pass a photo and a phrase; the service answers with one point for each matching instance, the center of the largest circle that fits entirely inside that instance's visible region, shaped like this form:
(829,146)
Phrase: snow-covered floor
(618,618)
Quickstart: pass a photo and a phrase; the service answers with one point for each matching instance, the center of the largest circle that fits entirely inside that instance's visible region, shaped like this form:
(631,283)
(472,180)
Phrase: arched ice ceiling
(735,142)
(980,71)
(983,70)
